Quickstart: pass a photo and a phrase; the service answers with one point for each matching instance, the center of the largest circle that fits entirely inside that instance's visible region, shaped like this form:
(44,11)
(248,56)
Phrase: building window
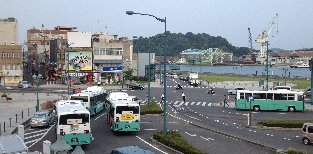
(19,55)
(13,55)
(2,55)
(8,55)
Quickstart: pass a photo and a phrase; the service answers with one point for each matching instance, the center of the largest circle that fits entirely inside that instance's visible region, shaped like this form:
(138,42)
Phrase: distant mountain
(177,42)
(278,49)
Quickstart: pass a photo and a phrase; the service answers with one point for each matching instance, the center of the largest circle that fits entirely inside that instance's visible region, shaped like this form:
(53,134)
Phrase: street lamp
(68,68)
(164,69)
(37,77)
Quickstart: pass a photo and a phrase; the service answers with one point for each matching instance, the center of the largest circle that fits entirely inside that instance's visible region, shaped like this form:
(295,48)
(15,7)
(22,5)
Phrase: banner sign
(113,69)
(80,61)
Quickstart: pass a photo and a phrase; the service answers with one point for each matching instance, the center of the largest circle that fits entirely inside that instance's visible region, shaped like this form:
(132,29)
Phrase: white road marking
(203,104)
(99,116)
(209,104)
(198,103)
(150,129)
(34,135)
(191,134)
(35,131)
(151,145)
(208,139)
(176,102)
(41,137)
(192,103)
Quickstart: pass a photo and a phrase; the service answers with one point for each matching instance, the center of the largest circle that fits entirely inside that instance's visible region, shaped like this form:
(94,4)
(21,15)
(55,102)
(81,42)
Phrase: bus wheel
(256,108)
(291,109)
(306,141)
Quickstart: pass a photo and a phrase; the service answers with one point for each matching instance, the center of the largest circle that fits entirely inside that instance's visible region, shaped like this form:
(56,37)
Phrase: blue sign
(112,69)
(251,98)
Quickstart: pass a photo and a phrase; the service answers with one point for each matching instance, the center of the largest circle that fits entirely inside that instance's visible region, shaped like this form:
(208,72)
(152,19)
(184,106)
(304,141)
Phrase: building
(143,65)
(209,56)
(111,55)
(41,51)
(11,66)
(8,31)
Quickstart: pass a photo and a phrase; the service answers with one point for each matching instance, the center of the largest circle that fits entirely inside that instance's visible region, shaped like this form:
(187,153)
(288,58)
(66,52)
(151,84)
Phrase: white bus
(117,95)
(93,100)
(124,116)
(73,123)
(279,100)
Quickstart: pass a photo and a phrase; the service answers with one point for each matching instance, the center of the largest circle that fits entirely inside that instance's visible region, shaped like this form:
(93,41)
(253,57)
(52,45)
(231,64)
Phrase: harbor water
(250,70)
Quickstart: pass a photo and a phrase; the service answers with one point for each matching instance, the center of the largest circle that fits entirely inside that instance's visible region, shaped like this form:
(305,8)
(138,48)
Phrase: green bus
(279,100)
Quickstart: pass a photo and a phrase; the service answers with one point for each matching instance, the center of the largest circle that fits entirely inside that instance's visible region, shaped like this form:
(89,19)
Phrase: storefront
(112,74)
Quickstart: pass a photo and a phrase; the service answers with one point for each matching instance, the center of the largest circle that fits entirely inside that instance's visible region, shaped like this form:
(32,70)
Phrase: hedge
(154,108)
(294,151)
(285,123)
(174,140)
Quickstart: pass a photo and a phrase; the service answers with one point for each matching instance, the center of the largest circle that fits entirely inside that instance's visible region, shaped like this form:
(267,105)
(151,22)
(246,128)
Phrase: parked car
(184,78)
(131,150)
(307,133)
(234,91)
(307,93)
(136,86)
(42,118)
(24,84)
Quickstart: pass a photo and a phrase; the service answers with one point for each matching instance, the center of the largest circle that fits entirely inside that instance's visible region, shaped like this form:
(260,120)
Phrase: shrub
(285,123)
(154,108)
(174,140)
(294,151)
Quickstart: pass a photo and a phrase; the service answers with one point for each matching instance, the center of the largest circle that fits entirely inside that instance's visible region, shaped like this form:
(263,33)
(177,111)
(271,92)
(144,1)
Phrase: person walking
(225,100)
(162,97)
(79,90)
(184,97)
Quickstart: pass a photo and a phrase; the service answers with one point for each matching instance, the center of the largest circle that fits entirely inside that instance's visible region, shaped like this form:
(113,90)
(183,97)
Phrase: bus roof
(68,102)
(71,109)
(124,103)
(96,89)
(271,91)
(83,94)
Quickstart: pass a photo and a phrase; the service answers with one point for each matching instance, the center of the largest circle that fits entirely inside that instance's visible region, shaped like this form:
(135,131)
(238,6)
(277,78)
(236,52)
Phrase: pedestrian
(73,90)
(78,90)
(162,97)
(184,97)
(225,101)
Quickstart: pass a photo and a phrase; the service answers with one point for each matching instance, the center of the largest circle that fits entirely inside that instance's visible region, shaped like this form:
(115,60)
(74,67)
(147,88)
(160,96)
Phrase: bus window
(269,96)
(291,96)
(300,97)
(120,109)
(248,95)
(242,95)
(81,118)
(277,97)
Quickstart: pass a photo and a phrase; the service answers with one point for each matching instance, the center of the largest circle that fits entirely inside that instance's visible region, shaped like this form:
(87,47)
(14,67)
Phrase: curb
(240,139)
(161,144)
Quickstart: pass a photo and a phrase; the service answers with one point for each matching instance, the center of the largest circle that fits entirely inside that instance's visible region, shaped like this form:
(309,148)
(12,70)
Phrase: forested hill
(177,42)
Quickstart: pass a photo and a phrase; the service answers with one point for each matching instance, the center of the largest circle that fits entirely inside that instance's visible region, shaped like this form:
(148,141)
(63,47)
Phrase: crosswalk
(204,87)
(181,103)
(32,136)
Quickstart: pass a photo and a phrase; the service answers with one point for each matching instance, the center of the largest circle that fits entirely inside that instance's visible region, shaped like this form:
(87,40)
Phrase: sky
(229,19)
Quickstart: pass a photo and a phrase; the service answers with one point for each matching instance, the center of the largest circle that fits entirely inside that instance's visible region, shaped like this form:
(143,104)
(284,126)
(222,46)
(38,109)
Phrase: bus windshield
(70,119)
(134,109)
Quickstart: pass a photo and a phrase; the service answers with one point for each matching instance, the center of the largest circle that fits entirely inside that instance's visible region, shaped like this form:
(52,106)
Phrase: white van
(282,88)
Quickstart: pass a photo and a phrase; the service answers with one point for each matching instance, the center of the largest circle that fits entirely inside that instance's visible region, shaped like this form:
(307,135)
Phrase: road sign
(251,98)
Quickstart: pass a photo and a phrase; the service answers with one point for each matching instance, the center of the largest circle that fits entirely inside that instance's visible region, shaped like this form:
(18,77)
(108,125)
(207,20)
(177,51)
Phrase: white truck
(234,91)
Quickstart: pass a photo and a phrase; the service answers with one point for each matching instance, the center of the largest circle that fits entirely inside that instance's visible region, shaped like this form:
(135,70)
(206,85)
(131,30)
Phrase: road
(201,122)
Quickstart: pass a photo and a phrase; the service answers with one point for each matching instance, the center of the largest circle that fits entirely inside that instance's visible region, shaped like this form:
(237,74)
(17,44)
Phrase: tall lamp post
(37,77)
(68,68)
(164,69)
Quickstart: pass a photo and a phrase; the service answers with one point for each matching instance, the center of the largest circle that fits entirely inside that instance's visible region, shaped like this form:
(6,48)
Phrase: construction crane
(263,37)
(250,40)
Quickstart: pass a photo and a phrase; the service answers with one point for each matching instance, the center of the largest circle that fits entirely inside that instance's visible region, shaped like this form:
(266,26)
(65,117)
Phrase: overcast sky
(226,18)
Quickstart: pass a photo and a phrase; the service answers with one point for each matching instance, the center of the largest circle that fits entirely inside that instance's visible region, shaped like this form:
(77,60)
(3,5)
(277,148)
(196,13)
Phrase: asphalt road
(201,122)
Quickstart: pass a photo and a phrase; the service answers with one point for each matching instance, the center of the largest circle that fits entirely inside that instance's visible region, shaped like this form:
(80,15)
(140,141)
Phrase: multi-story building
(42,38)
(11,66)
(8,31)
(111,55)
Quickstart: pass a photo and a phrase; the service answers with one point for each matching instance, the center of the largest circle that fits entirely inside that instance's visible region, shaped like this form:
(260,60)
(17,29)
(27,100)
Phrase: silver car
(42,118)
(24,84)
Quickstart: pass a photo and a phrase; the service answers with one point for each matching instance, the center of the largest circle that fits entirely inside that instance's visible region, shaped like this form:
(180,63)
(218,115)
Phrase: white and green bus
(124,116)
(279,100)
(73,123)
(93,99)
